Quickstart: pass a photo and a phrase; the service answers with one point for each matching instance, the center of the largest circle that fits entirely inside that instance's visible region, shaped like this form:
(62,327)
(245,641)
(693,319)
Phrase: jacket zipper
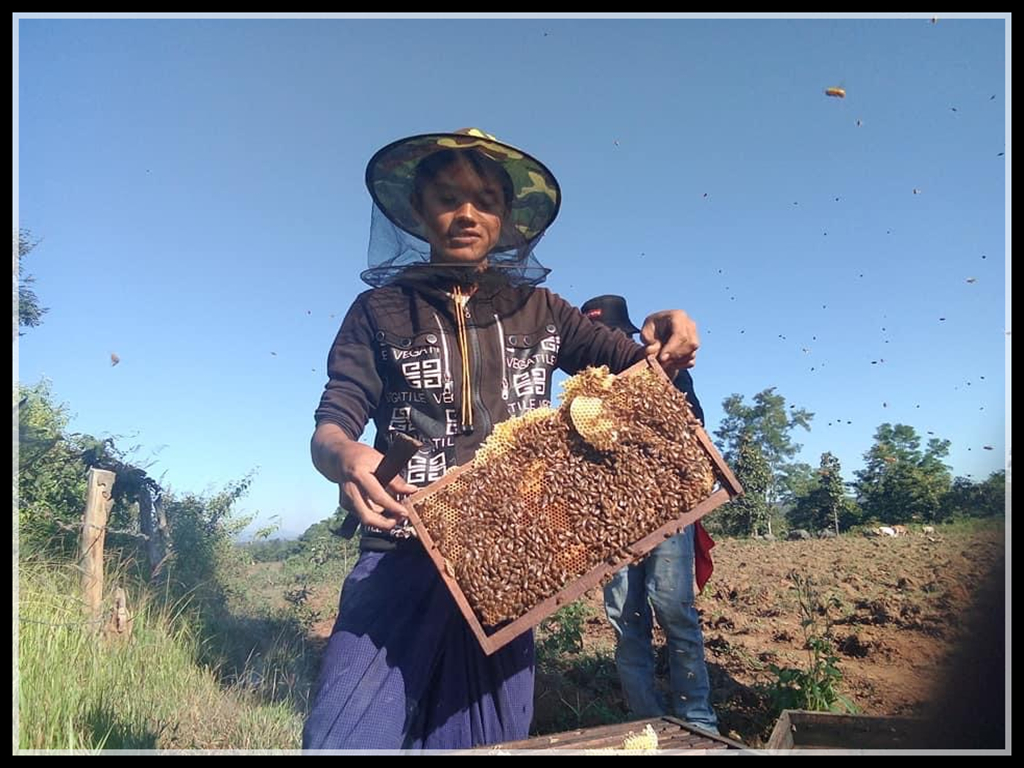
(501,353)
(478,402)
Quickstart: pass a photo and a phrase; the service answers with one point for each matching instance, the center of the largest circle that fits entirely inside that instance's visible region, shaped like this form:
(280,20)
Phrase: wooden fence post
(94,530)
(150,526)
(121,620)
(163,532)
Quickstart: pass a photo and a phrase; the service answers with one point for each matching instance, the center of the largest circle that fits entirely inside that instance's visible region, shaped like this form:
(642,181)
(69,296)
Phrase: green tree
(826,505)
(51,475)
(746,515)
(767,423)
(967,498)
(30,313)
(271,550)
(798,479)
(322,545)
(203,529)
(901,481)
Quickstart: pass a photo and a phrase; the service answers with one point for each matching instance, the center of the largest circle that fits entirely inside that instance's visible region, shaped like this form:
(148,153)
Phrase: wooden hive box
(803,729)
(674,736)
(557,501)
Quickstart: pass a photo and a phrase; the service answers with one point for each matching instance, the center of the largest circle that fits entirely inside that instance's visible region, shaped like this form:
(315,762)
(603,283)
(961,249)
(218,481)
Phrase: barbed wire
(87,622)
(107,528)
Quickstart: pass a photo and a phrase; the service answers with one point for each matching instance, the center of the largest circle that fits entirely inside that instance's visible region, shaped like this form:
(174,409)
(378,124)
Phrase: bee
(836,91)
(114,359)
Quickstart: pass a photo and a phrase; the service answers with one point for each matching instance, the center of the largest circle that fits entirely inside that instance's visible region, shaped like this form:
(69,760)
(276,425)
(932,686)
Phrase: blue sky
(197,187)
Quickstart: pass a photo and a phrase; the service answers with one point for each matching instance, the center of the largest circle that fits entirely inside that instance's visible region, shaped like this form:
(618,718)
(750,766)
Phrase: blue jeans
(664,581)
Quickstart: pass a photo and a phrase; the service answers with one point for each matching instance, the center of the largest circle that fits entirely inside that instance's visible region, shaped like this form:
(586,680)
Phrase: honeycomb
(555,492)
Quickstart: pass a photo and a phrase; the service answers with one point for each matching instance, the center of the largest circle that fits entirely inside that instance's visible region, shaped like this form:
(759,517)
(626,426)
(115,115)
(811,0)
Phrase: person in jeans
(664,582)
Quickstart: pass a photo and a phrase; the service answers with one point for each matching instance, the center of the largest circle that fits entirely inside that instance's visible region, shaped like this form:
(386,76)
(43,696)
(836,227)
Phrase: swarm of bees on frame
(554,493)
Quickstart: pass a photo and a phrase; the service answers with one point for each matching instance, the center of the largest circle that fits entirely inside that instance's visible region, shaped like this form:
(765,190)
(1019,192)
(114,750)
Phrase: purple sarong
(402,669)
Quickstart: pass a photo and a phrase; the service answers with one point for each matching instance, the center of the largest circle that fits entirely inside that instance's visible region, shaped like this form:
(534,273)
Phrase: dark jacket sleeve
(584,342)
(354,386)
(684,383)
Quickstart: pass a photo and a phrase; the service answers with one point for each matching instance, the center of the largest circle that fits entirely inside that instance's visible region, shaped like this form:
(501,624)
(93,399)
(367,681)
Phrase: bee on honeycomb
(554,493)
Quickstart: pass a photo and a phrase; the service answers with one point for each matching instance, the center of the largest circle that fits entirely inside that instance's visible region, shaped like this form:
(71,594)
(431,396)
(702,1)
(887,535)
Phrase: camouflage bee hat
(536,196)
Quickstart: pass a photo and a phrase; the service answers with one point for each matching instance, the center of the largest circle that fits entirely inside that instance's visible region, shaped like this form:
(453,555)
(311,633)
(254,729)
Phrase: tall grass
(79,691)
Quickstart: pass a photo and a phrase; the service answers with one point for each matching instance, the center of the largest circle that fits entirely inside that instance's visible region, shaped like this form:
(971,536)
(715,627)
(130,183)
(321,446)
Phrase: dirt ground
(897,608)
(901,607)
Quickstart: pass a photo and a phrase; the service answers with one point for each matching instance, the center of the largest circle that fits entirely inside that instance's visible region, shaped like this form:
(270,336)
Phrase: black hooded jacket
(397,360)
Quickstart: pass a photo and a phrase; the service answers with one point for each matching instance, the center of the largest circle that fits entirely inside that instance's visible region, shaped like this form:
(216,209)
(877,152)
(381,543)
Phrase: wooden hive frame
(729,488)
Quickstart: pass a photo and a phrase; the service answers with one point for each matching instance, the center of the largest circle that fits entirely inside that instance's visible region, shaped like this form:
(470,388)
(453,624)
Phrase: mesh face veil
(396,175)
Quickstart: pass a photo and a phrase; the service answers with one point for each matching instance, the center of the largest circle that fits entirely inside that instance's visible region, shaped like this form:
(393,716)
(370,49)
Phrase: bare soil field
(897,609)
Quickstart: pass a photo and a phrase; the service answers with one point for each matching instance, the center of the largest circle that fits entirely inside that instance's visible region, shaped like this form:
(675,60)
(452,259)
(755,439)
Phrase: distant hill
(285,534)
